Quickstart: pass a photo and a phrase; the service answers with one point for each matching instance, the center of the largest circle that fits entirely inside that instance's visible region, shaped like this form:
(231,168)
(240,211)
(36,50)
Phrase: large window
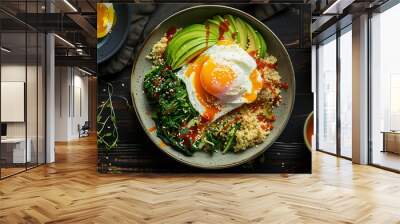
(334,94)
(326,70)
(385,88)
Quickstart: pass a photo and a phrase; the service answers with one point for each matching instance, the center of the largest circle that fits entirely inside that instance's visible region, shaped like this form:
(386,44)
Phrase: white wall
(33,126)
(62,81)
(80,110)
(16,73)
(71,94)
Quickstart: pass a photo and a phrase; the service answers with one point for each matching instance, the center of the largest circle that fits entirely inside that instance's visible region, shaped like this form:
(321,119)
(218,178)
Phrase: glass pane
(385,84)
(327,96)
(41,98)
(31,97)
(346,94)
(32,86)
(13,86)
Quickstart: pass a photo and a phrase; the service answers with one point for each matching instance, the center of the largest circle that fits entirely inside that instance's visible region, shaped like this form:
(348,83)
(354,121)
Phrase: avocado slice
(228,34)
(242,30)
(233,28)
(184,36)
(191,44)
(213,28)
(191,28)
(174,46)
(190,54)
(253,40)
(263,45)
(188,36)
(218,18)
(214,24)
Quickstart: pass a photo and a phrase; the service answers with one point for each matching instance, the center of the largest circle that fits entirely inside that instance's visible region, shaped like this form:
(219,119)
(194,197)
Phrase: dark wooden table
(136,153)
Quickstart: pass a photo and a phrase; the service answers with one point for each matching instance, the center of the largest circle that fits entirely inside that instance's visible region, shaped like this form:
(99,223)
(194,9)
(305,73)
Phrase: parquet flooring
(71,191)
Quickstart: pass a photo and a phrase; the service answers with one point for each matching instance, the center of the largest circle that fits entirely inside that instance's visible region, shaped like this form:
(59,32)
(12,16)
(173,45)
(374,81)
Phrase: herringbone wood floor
(71,191)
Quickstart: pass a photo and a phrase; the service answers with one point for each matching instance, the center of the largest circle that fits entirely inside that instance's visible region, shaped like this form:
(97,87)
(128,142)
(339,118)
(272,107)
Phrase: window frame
(31,30)
(336,35)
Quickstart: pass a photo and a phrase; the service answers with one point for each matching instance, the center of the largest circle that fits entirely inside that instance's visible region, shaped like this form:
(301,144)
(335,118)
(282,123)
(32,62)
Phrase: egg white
(236,59)
(241,63)
(224,108)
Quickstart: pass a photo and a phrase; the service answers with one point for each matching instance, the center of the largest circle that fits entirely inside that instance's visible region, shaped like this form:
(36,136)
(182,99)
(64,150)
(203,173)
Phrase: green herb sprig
(107,132)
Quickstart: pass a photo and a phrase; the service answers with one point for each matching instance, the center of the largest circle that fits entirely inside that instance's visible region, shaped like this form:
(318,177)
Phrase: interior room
(23,95)
(207,112)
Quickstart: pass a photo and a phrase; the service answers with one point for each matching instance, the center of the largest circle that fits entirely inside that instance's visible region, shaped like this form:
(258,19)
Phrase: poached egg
(221,79)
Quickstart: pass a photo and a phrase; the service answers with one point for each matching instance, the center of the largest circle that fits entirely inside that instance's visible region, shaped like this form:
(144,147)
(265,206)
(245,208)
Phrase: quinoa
(251,131)
(256,119)
(157,52)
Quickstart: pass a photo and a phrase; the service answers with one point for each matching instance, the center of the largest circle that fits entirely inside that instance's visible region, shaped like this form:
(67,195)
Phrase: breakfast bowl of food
(213,87)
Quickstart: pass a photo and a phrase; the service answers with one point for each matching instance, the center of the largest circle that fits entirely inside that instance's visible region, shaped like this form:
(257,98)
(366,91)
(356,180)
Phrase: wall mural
(204,88)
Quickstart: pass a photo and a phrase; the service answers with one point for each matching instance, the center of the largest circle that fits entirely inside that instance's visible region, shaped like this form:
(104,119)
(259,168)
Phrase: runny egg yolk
(207,100)
(105,19)
(216,79)
(256,86)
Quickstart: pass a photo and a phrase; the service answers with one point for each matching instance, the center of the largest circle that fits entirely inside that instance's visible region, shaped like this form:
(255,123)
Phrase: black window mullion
(369,78)
(37,90)
(26,87)
(338,75)
(317,97)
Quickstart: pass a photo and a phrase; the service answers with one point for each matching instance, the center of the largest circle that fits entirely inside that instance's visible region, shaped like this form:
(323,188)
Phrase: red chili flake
(261,117)
(267,84)
(170,33)
(271,66)
(276,100)
(207,33)
(234,35)
(260,64)
(190,136)
(223,27)
(237,118)
(267,126)
(253,54)
(284,85)
(255,106)
(204,119)
(157,82)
